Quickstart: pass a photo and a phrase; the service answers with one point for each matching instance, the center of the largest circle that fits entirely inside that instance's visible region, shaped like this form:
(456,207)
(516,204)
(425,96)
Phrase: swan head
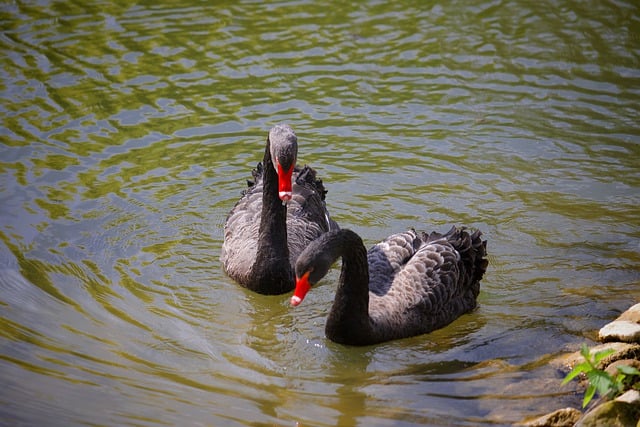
(283,144)
(312,265)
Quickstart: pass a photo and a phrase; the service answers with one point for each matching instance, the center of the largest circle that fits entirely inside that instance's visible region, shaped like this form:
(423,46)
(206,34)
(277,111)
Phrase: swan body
(406,285)
(278,215)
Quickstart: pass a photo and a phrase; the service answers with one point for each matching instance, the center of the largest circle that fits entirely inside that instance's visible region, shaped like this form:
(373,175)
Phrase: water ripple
(128,132)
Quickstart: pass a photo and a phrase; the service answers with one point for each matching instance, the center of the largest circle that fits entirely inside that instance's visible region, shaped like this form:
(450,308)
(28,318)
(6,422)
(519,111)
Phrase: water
(128,133)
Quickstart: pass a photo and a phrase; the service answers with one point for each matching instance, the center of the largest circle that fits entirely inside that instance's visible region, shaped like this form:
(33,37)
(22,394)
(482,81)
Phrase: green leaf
(584,351)
(628,370)
(619,382)
(588,395)
(577,370)
(597,357)
(602,381)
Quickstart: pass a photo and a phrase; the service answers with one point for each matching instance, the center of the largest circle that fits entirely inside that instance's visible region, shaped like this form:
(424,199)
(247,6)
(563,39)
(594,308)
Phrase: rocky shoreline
(622,336)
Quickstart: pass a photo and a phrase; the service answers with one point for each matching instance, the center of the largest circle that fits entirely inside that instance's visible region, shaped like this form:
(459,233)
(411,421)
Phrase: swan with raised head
(280,213)
(406,285)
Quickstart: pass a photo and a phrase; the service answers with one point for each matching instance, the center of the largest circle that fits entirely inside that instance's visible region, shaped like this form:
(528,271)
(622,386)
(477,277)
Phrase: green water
(128,133)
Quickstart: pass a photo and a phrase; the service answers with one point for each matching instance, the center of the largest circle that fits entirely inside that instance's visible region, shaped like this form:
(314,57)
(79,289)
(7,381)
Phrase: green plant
(599,380)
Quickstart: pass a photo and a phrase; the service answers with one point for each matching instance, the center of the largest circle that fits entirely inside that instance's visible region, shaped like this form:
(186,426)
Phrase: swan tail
(256,175)
(306,177)
(473,254)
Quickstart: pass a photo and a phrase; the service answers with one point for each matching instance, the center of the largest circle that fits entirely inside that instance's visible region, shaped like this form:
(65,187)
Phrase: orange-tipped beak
(302,287)
(284,183)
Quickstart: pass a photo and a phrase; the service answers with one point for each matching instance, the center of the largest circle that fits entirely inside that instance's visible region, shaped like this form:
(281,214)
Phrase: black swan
(406,285)
(274,220)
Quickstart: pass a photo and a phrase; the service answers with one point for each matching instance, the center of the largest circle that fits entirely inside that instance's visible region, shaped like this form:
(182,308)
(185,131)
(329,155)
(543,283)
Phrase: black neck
(272,268)
(349,320)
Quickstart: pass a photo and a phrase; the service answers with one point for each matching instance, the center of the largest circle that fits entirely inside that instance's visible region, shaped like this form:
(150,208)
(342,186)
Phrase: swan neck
(272,234)
(349,320)
(274,213)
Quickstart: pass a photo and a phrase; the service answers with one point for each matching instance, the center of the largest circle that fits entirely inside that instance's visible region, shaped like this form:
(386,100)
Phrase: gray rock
(566,362)
(566,417)
(612,414)
(612,369)
(625,328)
(631,396)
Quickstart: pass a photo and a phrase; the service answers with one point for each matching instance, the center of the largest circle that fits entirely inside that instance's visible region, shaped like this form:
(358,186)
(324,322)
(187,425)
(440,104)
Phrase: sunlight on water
(128,133)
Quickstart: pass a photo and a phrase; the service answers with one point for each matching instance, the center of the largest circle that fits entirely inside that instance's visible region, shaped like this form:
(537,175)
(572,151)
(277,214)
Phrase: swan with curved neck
(280,213)
(406,285)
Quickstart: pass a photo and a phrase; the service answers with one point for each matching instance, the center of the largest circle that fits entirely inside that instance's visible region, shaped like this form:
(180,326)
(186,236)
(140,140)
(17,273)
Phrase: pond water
(128,133)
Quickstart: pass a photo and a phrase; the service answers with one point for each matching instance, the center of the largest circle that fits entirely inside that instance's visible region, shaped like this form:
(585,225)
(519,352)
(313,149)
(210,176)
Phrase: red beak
(302,287)
(284,183)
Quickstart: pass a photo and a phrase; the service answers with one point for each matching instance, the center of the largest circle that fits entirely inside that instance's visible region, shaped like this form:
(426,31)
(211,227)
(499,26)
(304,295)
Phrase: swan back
(307,214)
(430,287)
(408,284)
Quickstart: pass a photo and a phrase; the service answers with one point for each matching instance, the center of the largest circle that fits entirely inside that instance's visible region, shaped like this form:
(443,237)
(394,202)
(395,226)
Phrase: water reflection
(128,132)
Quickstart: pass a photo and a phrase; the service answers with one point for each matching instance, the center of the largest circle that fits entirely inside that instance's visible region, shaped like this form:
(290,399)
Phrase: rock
(612,369)
(566,362)
(620,330)
(629,351)
(612,414)
(625,328)
(566,417)
(631,396)
(632,314)
(623,336)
